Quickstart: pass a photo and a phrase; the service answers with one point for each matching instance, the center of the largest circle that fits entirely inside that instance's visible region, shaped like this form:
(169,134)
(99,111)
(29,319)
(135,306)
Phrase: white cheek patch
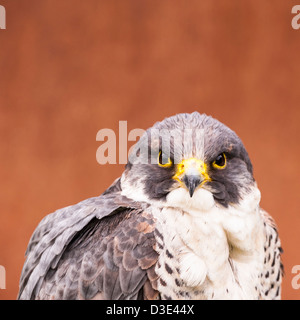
(251,200)
(202,200)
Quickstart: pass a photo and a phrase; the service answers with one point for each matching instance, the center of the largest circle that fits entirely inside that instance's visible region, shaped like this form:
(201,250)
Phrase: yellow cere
(192,163)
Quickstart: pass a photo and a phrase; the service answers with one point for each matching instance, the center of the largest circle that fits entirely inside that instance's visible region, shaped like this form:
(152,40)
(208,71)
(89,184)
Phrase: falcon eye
(220,162)
(161,163)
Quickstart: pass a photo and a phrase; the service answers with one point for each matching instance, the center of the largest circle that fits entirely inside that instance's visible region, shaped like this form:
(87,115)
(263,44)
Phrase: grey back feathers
(56,231)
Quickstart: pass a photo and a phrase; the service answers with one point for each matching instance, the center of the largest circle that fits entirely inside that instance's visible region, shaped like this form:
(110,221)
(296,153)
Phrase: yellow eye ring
(220,162)
(163,165)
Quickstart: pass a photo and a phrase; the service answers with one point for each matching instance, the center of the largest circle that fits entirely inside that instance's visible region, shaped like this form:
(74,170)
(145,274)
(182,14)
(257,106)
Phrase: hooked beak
(192,182)
(192,173)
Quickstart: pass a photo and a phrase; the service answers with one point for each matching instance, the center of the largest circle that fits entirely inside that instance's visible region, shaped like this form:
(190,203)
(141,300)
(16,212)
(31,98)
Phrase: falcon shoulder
(273,272)
(100,248)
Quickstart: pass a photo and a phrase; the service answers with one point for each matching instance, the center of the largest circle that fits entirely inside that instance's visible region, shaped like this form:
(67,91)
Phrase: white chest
(214,253)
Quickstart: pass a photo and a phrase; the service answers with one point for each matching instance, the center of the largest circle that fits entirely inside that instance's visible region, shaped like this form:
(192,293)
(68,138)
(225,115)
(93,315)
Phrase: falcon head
(189,160)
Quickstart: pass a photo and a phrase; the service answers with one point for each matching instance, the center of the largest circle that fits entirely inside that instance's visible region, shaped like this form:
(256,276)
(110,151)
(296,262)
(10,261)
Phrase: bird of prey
(184,223)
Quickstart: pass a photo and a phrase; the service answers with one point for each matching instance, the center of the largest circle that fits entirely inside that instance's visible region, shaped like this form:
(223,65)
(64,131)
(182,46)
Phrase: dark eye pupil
(162,159)
(220,160)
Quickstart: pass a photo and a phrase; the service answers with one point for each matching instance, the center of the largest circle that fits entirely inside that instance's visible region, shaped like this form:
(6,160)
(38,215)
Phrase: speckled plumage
(146,237)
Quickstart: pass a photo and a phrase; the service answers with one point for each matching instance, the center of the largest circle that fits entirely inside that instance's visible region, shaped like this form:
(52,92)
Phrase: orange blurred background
(69,68)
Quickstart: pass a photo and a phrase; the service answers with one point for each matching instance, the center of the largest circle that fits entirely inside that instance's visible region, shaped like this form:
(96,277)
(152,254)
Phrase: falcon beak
(192,182)
(192,173)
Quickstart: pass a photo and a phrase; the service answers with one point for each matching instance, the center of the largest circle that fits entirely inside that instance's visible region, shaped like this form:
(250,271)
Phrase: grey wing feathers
(273,268)
(112,259)
(73,242)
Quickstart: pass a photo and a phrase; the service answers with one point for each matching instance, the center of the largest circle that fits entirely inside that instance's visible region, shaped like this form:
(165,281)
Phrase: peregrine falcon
(182,222)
